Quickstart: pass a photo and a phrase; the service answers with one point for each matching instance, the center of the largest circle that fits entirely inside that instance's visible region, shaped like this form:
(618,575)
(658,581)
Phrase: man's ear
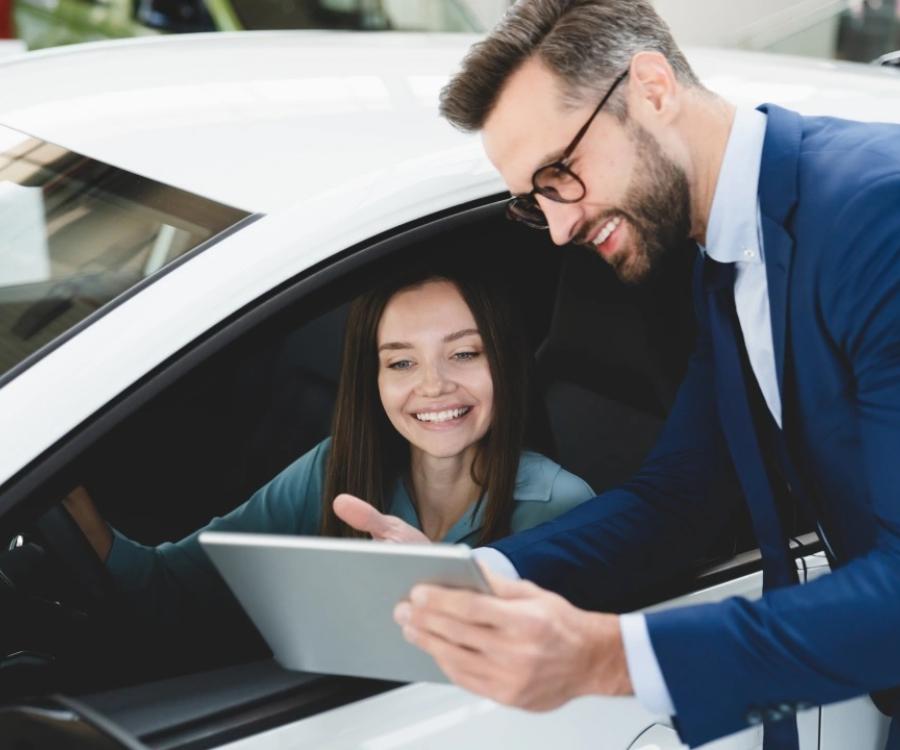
(653,88)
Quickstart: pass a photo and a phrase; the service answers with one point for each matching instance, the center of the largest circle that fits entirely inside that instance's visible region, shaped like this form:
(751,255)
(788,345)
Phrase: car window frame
(226,718)
(44,350)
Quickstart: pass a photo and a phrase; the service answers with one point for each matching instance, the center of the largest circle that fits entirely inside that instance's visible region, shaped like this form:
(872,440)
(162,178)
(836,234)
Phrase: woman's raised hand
(363,517)
(81,507)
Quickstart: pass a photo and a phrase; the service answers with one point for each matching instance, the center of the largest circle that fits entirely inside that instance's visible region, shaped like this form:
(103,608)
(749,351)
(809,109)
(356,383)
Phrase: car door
(190,344)
(445,717)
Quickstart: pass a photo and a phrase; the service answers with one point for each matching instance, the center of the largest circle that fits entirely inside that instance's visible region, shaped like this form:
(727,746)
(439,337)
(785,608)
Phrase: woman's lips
(441,419)
(442,415)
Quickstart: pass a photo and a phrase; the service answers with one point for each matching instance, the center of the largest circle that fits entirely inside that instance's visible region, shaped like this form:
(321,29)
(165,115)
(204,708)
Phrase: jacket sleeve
(172,580)
(834,638)
(657,524)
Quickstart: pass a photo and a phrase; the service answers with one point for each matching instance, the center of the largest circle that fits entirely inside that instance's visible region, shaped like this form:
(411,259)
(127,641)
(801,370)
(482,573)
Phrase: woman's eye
(466,356)
(403,364)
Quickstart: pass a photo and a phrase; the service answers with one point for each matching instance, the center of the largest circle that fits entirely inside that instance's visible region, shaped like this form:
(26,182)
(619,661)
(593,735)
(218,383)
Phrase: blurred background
(860,30)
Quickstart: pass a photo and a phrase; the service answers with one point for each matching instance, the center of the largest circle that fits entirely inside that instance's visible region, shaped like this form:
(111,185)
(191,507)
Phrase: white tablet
(326,605)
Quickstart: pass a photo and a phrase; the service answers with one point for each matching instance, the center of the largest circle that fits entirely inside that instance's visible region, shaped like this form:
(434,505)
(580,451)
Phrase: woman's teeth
(607,230)
(442,416)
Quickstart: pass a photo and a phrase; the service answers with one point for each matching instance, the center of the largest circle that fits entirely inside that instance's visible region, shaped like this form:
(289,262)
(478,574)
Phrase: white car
(182,223)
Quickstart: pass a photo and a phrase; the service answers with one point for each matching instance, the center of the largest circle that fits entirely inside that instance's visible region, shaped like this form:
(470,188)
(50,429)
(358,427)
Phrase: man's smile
(606,240)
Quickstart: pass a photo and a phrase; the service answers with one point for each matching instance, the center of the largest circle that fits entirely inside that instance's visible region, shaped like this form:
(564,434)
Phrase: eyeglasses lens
(558,183)
(525,209)
(555,182)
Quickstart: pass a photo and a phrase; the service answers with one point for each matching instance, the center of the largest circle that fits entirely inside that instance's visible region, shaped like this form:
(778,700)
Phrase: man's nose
(562,219)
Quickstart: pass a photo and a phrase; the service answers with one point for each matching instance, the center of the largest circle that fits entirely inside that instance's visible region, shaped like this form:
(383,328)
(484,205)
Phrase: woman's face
(433,373)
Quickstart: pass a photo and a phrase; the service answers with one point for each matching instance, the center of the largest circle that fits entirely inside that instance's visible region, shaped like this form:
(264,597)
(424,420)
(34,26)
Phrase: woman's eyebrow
(459,334)
(394,345)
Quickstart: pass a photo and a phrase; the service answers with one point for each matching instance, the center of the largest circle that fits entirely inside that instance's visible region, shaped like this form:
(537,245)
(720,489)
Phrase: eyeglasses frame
(559,165)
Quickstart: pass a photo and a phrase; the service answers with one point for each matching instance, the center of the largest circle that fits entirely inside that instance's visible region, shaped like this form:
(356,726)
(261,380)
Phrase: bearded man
(605,136)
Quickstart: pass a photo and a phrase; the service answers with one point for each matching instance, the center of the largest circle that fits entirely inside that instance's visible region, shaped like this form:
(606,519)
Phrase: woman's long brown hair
(368,456)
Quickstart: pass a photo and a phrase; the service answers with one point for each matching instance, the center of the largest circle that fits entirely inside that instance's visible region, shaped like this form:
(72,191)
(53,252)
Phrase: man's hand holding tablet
(521,646)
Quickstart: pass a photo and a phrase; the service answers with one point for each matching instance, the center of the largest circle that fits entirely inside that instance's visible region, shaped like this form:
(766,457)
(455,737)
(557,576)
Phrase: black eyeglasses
(555,181)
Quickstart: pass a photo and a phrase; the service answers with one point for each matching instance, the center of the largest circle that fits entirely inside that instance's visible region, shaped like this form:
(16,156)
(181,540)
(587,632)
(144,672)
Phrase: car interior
(197,436)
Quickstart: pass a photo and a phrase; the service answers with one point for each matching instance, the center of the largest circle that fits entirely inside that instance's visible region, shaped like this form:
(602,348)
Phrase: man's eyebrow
(396,345)
(549,159)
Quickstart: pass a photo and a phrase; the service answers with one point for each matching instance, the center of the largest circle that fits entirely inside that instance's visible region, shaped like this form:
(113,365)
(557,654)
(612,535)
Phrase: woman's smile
(441,417)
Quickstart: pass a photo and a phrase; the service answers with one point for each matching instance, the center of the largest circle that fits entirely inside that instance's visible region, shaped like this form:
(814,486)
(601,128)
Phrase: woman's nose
(434,381)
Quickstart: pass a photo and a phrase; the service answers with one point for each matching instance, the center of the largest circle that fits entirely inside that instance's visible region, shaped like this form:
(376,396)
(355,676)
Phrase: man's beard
(657,207)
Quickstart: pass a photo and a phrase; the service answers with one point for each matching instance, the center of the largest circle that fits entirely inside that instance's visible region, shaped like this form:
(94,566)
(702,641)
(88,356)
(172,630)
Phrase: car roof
(208,132)
(254,120)
(261,120)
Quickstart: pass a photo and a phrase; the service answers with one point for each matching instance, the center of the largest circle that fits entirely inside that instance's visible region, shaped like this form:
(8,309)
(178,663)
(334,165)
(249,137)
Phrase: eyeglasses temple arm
(584,128)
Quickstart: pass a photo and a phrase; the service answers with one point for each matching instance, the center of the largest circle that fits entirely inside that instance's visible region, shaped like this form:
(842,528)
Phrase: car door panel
(443,717)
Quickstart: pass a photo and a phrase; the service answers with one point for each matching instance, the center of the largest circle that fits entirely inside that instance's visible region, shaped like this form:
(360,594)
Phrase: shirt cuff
(496,562)
(643,666)
(128,562)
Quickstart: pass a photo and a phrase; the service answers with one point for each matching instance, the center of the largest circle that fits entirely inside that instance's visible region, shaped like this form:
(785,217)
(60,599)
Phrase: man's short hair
(587,43)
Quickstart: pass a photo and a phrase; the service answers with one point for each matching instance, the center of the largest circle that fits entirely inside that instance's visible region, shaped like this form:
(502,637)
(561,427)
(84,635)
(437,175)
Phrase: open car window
(75,233)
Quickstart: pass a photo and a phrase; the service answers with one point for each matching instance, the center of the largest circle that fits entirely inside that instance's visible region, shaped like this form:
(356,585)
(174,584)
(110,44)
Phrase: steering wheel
(62,626)
(64,540)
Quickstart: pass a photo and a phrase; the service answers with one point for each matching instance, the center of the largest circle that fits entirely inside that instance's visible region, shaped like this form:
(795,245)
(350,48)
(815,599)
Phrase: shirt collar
(732,234)
(534,483)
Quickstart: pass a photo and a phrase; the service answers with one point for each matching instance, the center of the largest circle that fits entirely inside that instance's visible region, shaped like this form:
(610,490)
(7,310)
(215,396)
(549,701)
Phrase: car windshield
(359,15)
(76,233)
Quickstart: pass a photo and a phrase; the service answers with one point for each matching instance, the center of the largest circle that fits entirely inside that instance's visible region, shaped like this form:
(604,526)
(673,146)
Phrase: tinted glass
(75,233)
(362,15)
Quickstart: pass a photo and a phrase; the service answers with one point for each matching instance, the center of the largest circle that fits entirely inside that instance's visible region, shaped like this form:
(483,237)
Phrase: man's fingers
(454,660)
(508,588)
(475,638)
(459,604)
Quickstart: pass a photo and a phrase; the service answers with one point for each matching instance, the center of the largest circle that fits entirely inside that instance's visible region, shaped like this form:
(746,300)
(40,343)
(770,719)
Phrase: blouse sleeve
(568,492)
(551,492)
(166,581)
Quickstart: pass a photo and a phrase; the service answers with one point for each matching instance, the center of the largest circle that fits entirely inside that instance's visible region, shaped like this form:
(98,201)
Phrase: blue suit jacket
(830,201)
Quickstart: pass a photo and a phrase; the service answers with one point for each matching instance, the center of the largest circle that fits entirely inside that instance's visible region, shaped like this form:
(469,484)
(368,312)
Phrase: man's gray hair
(587,43)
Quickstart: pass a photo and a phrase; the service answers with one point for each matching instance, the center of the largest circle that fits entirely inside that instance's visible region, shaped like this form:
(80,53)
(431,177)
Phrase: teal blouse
(162,581)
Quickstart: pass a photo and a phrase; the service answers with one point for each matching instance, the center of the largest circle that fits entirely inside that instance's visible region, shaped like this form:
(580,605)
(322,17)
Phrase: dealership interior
(252,258)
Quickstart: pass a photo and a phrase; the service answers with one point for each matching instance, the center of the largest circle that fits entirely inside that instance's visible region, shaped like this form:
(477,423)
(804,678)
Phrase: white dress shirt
(734,235)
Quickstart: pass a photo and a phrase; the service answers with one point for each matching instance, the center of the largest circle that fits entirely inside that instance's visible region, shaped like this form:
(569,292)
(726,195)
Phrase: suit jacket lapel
(777,198)
(778,248)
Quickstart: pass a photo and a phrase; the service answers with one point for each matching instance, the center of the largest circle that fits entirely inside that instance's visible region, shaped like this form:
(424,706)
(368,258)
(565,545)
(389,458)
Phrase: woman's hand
(363,517)
(82,509)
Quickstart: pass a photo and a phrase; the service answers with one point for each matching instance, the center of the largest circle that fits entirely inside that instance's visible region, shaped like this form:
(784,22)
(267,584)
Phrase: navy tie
(744,443)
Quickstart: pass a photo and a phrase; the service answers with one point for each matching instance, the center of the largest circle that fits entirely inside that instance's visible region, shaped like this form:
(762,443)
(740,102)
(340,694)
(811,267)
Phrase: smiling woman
(436,366)
(428,427)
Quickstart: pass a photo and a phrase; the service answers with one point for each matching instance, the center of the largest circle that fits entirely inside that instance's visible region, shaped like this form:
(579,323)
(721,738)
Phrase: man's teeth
(442,416)
(607,230)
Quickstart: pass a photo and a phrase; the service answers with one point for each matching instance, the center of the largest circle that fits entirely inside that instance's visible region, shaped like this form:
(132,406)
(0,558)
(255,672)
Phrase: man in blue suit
(605,136)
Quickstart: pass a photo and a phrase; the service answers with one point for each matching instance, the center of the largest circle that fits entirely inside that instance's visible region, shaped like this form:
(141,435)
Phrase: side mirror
(889,60)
